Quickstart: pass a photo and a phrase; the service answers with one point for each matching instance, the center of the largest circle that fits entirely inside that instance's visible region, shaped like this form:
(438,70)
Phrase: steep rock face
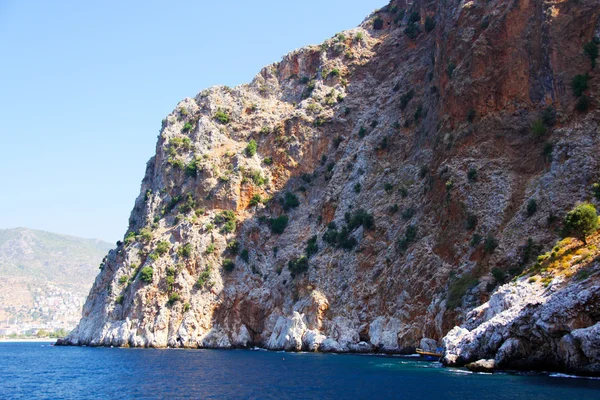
(390,149)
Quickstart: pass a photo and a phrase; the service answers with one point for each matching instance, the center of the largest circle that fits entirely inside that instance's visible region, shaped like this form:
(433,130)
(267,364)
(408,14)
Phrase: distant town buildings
(55,310)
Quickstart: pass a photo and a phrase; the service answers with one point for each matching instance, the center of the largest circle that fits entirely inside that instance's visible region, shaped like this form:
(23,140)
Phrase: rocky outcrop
(528,326)
(363,194)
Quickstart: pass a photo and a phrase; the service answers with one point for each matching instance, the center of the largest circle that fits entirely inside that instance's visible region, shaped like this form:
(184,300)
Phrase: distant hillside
(36,266)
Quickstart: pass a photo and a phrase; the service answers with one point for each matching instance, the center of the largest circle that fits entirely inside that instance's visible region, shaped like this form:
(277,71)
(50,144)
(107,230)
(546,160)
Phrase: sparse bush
(163,247)
(362,132)
(203,278)
(476,239)
(359,37)
(412,30)
(298,265)
(185,251)
(233,247)
(245,255)
(356,187)
(409,237)
(191,169)
(258,178)
(119,299)
(279,224)
(255,200)
(222,117)
(290,200)
(538,128)
(123,280)
(408,213)
(251,148)
(210,248)
(596,190)
(130,238)
(360,218)
(228,265)
(549,116)
(378,23)
(471,221)
(146,274)
(187,127)
(579,84)
(581,222)
(472,174)
(498,275)
(471,115)
(414,17)
(388,187)
(268,160)
(429,24)
(531,207)
(418,112)
(173,298)
(311,246)
(490,244)
(146,234)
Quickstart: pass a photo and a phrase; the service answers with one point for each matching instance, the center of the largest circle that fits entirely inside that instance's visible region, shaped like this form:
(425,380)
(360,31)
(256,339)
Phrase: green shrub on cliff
(429,24)
(228,264)
(185,251)
(581,222)
(378,23)
(222,117)
(579,84)
(173,298)
(279,224)
(162,247)
(146,274)
(311,246)
(251,148)
(298,265)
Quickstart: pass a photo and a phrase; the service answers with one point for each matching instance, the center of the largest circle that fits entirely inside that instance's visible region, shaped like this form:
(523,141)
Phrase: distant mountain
(45,276)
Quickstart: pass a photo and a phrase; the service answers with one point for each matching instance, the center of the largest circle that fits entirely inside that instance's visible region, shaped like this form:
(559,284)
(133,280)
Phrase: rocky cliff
(362,194)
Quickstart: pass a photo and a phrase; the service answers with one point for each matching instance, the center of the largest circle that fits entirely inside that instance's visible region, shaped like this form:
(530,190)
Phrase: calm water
(38,370)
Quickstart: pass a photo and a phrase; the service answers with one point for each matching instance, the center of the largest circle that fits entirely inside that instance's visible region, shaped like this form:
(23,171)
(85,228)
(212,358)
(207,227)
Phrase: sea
(42,371)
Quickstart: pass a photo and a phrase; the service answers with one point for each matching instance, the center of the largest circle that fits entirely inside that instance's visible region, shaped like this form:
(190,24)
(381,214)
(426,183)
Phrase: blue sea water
(41,371)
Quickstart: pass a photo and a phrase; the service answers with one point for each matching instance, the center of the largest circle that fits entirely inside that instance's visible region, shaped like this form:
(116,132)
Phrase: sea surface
(42,371)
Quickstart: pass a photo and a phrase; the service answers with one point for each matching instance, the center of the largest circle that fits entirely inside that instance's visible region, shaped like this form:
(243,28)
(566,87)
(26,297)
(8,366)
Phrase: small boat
(430,355)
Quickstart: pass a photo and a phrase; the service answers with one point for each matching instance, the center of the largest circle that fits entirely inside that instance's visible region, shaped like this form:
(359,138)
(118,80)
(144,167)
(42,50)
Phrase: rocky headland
(390,188)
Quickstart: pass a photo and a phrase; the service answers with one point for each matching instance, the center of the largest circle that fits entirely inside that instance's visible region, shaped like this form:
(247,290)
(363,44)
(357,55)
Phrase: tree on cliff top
(581,222)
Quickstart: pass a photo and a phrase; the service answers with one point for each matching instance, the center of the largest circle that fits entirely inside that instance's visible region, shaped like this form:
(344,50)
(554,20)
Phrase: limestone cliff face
(402,156)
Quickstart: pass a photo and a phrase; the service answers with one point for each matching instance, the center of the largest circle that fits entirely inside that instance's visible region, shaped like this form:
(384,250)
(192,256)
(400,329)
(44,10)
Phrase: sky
(84,86)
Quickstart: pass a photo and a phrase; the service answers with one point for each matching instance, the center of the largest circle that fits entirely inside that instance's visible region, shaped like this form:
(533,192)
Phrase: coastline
(33,340)
(557,373)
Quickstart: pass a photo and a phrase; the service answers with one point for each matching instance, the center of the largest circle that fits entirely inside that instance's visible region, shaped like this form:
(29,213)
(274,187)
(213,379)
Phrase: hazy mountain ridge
(44,275)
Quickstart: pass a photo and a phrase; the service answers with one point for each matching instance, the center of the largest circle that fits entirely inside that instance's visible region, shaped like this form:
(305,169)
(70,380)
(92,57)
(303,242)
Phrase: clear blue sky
(85,85)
